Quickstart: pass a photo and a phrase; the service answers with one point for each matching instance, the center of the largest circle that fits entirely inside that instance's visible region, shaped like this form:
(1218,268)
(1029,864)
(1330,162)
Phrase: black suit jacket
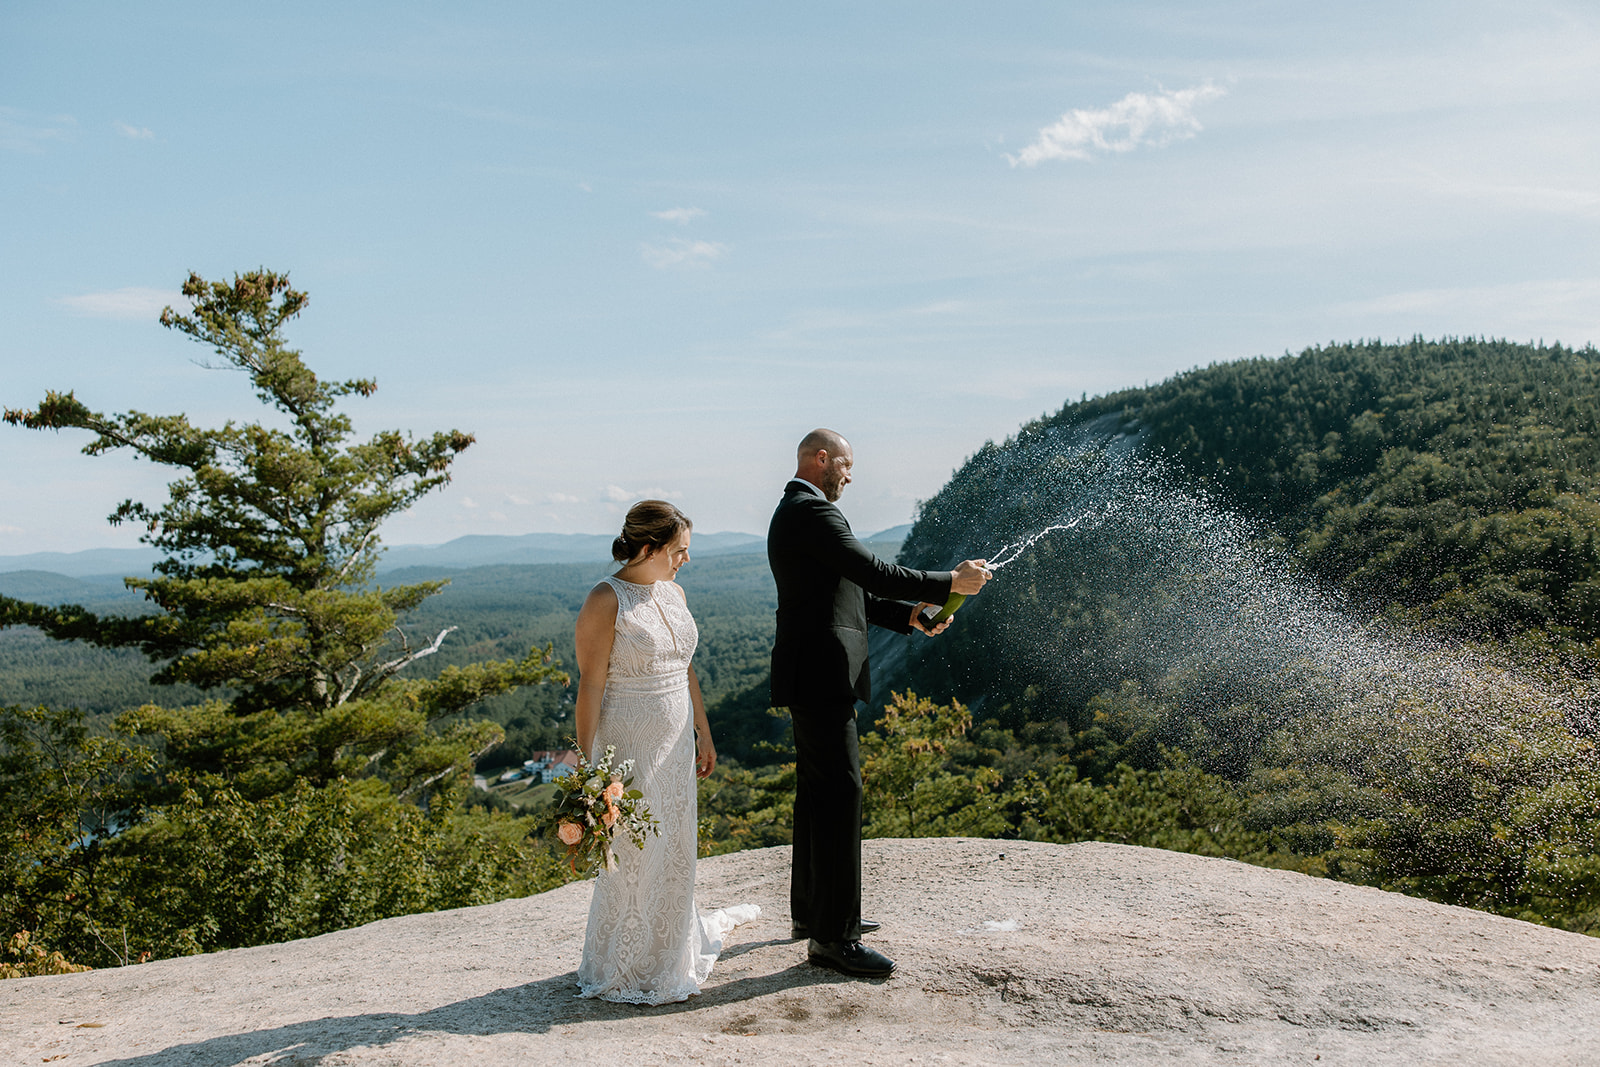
(829,588)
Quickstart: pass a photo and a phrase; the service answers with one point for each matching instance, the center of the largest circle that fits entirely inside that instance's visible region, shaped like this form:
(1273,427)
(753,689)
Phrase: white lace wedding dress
(646,943)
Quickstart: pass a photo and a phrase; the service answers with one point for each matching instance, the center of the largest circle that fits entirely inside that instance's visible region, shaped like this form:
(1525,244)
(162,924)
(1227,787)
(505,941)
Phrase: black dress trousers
(825,886)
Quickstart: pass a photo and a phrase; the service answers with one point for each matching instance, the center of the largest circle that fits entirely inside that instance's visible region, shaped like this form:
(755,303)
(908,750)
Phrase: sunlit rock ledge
(1009,953)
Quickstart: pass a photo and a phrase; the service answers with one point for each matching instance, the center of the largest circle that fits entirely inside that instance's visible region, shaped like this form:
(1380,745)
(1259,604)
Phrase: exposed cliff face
(1009,953)
(1002,496)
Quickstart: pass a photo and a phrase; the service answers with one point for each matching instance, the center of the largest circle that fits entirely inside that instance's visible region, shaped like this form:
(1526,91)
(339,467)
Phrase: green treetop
(266,594)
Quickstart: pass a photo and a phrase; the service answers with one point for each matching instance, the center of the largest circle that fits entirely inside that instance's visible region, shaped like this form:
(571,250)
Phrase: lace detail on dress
(645,943)
(656,636)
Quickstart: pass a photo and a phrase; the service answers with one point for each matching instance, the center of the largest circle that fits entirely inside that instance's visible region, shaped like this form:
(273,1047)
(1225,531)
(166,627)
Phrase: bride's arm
(705,753)
(596,629)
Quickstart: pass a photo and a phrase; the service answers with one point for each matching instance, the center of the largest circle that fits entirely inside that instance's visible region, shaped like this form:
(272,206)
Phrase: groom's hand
(917,623)
(969,576)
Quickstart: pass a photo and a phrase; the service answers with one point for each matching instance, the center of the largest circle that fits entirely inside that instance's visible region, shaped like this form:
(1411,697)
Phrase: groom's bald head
(824,459)
(822,439)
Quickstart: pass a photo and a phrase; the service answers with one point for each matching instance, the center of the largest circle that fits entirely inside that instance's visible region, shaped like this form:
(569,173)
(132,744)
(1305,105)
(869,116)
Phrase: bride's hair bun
(650,525)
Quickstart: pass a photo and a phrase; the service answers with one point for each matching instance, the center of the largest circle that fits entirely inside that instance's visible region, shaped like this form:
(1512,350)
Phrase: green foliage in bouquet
(594,807)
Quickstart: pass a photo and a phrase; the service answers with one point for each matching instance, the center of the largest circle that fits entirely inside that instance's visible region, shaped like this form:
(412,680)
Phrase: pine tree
(266,598)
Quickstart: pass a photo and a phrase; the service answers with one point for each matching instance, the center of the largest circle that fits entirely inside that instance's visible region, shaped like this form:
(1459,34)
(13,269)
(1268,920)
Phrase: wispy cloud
(23,132)
(681,252)
(135,133)
(681,215)
(1138,119)
(134,302)
(1557,194)
(615,494)
(560,498)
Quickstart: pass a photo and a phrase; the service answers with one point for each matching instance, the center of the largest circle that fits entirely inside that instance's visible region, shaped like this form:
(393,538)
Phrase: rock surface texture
(1009,953)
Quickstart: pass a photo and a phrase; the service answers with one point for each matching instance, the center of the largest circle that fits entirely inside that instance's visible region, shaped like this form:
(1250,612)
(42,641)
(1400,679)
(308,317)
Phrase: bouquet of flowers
(596,804)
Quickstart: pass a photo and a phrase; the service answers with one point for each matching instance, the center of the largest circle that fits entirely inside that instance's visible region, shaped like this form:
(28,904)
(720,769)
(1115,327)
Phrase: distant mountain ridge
(90,562)
(487,550)
(472,550)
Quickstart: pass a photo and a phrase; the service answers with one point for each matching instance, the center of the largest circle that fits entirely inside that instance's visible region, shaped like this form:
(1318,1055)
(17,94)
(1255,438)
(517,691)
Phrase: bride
(637,691)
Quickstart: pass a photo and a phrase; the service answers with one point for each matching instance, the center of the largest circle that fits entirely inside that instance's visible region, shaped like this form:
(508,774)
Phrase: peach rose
(570,833)
(610,816)
(614,792)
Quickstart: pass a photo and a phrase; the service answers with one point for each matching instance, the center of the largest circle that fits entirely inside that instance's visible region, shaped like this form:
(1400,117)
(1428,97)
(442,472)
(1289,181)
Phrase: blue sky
(641,248)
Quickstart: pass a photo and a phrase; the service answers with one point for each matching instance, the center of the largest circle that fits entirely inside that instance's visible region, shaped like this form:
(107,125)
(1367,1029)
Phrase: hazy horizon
(709,543)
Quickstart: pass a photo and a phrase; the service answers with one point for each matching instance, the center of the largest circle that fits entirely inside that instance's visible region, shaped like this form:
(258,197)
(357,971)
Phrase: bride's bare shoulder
(602,598)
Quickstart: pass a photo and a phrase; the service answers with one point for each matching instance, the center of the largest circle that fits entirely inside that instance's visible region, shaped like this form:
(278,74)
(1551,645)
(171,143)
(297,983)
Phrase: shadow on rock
(534,1008)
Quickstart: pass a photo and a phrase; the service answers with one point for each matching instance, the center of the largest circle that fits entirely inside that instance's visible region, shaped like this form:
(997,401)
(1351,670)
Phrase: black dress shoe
(800,932)
(851,957)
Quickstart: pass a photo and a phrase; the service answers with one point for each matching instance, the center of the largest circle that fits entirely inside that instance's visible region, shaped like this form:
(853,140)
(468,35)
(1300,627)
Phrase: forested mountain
(1449,486)
(1456,479)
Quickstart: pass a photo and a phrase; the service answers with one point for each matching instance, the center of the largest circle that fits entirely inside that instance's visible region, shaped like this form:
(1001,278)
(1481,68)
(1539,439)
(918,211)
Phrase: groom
(829,588)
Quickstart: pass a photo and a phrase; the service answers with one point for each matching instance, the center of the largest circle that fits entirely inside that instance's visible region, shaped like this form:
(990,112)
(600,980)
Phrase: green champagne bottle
(932,617)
